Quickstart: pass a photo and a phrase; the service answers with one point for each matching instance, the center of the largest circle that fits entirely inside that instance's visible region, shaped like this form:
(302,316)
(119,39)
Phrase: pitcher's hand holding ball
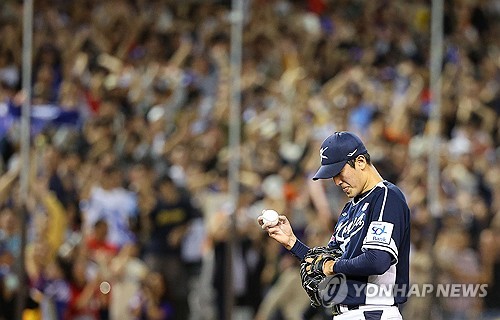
(279,230)
(271,217)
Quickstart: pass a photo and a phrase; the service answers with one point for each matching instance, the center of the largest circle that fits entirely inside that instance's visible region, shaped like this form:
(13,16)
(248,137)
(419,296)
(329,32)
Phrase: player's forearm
(299,249)
(371,262)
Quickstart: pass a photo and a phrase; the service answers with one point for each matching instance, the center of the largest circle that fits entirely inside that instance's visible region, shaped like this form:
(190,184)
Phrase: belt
(339,309)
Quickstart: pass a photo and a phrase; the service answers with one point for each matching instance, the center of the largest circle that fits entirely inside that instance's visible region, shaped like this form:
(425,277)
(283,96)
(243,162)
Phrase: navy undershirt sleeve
(371,262)
(299,250)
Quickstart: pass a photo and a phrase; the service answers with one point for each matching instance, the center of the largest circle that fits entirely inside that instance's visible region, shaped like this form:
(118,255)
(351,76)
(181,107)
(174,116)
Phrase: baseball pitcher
(362,273)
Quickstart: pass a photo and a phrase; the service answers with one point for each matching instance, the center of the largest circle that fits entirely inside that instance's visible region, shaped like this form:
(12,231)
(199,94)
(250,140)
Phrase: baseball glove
(311,273)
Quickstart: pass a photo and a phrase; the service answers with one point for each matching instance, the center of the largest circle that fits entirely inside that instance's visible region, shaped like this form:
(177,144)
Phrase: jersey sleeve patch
(379,237)
(379,232)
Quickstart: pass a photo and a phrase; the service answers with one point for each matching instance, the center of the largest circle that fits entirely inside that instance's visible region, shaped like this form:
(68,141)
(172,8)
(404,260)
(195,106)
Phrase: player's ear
(361,161)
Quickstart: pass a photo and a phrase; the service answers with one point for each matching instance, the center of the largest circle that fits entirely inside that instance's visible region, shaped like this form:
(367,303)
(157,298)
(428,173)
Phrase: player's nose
(337,180)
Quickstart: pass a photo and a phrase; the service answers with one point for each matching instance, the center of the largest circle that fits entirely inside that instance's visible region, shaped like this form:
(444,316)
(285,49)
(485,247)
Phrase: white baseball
(270,216)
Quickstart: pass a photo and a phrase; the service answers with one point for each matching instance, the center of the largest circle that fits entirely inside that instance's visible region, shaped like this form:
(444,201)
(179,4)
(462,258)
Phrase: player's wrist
(291,242)
(328,268)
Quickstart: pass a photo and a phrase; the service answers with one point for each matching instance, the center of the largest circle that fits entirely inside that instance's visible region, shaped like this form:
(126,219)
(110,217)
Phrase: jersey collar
(360,197)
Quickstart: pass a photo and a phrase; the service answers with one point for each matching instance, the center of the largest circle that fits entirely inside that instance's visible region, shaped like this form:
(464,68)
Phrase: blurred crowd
(129,210)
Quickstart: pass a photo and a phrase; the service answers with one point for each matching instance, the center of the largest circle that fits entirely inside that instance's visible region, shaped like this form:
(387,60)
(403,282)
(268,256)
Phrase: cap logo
(350,154)
(321,153)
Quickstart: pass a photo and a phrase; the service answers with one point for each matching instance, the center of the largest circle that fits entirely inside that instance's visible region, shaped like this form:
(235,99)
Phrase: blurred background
(129,211)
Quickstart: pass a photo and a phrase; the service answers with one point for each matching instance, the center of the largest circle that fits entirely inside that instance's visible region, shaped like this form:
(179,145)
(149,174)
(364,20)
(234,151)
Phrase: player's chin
(349,193)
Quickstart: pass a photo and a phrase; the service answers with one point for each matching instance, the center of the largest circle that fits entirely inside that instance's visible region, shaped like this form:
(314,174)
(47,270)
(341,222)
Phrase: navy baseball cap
(335,151)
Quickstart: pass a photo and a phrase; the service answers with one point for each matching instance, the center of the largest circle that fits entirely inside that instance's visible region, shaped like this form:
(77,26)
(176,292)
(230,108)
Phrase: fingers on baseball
(272,230)
(268,225)
(260,220)
(263,225)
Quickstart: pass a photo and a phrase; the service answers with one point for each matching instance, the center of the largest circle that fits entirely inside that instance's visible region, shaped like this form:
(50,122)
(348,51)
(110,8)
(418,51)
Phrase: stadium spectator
(152,300)
(116,205)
